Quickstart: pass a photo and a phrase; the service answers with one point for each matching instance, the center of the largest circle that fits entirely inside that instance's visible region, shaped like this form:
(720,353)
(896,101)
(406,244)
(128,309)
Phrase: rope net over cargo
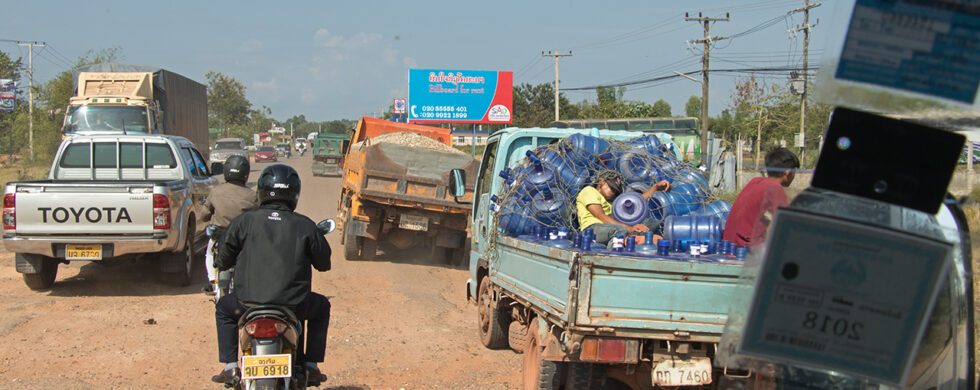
(541,192)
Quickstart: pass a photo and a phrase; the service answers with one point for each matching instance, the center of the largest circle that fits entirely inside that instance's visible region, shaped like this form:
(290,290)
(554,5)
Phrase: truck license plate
(267,366)
(677,372)
(83,252)
(413,222)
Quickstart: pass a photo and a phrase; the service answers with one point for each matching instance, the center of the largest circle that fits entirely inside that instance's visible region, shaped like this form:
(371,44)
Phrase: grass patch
(25,171)
(972,211)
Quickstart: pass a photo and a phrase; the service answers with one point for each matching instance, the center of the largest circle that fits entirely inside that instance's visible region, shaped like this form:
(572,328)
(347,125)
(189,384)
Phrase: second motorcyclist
(225,202)
(272,249)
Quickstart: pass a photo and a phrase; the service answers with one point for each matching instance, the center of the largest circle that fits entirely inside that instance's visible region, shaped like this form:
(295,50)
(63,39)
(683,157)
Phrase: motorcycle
(224,282)
(269,338)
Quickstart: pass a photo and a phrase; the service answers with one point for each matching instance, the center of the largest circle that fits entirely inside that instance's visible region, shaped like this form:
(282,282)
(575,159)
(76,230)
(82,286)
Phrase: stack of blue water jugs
(541,193)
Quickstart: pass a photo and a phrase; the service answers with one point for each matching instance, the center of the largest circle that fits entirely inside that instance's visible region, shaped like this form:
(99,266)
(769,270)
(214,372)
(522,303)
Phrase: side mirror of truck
(217,169)
(326,226)
(457,184)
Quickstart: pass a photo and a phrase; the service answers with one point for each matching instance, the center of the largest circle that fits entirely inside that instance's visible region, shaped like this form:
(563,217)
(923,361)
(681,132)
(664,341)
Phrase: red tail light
(265,328)
(161,212)
(9,213)
(607,350)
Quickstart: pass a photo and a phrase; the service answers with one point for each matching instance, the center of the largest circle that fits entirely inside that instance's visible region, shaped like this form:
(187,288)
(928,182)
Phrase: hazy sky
(343,59)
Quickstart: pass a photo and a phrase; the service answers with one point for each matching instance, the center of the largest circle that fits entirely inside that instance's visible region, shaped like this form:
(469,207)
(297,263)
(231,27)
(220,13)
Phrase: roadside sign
(398,107)
(8,94)
(460,96)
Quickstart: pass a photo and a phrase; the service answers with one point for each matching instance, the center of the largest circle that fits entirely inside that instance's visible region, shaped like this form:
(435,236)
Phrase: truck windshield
(122,119)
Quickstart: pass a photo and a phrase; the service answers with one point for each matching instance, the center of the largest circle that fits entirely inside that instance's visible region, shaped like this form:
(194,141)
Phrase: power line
(768,69)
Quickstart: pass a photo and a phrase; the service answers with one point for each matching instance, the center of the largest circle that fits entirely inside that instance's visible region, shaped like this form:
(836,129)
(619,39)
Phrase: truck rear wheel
(493,323)
(517,336)
(177,265)
(585,376)
(539,374)
(44,278)
(358,248)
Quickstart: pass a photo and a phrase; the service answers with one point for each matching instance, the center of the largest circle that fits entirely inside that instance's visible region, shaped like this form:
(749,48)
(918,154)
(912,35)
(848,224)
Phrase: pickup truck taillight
(601,349)
(161,212)
(9,215)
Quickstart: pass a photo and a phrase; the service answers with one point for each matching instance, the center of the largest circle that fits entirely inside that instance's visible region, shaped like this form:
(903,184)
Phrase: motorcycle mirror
(326,226)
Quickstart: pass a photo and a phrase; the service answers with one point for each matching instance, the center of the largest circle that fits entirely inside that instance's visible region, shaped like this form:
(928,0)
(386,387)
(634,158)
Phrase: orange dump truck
(394,191)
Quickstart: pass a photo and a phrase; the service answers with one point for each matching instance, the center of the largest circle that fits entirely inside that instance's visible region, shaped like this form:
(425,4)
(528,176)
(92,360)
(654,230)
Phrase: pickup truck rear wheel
(184,258)
(493,324)
(44,278)
(540,374)
(585,376)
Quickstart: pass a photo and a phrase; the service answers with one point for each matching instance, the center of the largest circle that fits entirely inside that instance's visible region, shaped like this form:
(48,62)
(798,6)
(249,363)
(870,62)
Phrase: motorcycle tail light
(161,212)
(9,213)
(265,327)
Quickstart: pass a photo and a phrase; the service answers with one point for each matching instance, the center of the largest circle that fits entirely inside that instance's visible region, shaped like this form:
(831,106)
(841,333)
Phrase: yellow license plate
(83,252)
(267,366)
(678,372)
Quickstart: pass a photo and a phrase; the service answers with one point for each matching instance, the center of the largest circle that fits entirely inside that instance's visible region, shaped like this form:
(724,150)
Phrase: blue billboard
(8,92)
(460,96)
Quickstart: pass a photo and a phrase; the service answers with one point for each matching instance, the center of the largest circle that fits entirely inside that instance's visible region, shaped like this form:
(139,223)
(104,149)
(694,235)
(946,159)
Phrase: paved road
(396,324)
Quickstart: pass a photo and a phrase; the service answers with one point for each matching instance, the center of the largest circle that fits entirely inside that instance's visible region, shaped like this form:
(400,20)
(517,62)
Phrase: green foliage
(227,104)
(693,107)
(661,109)
(534,105)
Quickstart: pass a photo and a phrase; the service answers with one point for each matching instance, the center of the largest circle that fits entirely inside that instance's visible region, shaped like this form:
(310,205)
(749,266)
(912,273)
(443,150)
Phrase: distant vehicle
(113,98)
(265,153)
(283,149)
(301,143)
(227,147)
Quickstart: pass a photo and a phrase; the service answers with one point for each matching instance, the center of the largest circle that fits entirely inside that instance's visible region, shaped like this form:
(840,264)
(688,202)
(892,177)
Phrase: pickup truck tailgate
(636,296)
(659,294)
(84,210)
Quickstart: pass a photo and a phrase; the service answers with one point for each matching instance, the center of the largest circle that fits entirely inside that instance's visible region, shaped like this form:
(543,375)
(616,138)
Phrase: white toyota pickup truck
(110,197)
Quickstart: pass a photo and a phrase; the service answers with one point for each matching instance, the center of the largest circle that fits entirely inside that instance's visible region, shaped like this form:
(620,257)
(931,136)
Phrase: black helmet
(279,183)
(237,169)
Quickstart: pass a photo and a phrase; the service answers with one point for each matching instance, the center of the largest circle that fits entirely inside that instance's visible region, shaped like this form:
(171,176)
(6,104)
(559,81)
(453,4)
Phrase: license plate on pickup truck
(678,372)
(267,366)
(413,222)
(83,252)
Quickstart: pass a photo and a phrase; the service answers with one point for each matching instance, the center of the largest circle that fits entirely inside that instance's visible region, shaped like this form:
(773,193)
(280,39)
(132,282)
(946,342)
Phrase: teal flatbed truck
(587,320)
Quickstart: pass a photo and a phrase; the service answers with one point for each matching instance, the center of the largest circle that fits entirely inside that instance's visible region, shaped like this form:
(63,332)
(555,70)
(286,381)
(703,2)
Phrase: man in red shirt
(753,209)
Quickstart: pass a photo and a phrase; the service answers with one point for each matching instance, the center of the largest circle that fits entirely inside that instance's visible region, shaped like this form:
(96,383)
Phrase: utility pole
(806,43)
(556,55)
(30,94)
(704,75)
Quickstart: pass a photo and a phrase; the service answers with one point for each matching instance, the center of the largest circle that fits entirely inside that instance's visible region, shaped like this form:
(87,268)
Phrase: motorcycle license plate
(413,222)
(83,252)
(677,372)
(267,366)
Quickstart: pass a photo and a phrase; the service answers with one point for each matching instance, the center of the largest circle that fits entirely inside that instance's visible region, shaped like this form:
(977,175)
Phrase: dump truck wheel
(352,248)
(493,324)
(369,248)
(45,277)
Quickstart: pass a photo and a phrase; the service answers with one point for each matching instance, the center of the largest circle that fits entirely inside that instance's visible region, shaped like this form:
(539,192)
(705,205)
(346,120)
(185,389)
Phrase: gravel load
(409,139)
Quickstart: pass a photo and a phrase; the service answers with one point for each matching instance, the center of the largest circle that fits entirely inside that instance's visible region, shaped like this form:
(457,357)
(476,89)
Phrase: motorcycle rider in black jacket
(272,249)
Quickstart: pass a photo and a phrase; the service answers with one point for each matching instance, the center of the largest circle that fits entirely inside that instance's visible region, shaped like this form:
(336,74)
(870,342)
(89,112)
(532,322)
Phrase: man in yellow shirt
(595,210)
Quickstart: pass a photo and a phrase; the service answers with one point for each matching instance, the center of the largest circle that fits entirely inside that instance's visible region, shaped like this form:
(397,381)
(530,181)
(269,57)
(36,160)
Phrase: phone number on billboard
(443,112)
